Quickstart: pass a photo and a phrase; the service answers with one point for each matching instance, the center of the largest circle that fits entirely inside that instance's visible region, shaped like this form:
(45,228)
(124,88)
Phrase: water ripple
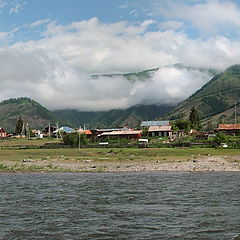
(120,206)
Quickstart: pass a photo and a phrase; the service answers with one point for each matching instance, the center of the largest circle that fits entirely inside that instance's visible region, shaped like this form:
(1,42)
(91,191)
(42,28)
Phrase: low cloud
(56,70)
(54,83)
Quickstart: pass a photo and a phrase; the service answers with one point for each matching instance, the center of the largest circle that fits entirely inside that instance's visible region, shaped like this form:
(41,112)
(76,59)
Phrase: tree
(209,127)
(194,118)
(181,124)
(19,125)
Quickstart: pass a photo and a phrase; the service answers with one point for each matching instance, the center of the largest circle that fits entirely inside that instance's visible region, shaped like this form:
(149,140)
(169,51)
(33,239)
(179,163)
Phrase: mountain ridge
(39,117)
(215,97)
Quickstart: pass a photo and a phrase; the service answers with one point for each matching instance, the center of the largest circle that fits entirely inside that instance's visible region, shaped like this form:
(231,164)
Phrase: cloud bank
(56,69)
(54,83)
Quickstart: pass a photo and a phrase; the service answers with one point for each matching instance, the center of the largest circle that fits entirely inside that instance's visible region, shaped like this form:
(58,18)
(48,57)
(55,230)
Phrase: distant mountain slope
(215,97)
(227,116)
(39,117)
(114,118)
(30,110)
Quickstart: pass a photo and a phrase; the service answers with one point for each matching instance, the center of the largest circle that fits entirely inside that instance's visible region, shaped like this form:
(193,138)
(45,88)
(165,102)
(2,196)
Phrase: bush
(73,139)
(220,138)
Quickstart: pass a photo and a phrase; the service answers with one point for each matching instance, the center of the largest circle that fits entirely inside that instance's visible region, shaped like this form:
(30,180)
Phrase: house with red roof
(229,129)
(129,134)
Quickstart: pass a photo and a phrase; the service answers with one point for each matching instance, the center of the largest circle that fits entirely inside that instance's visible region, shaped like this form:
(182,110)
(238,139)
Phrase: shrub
(220,138)
(73,139)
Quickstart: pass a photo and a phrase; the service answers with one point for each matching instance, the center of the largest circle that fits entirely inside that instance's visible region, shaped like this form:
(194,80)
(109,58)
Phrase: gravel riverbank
(209,163)
(119,160)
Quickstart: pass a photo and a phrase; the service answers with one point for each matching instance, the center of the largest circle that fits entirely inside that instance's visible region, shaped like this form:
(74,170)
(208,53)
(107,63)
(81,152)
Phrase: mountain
(215,99)
(114,118)
(39,117)
(31,111)
(227,116)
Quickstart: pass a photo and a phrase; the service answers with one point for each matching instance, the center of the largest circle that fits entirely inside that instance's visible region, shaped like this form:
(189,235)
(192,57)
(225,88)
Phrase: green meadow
(49,160)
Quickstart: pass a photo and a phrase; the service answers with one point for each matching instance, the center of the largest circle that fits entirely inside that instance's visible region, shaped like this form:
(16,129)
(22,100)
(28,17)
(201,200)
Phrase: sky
(49,50)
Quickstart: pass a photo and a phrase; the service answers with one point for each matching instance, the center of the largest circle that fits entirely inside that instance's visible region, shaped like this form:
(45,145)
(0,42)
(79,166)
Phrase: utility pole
(23,130)
(235,111)
(79,138)
(27,130)
(49,130)
(57,130)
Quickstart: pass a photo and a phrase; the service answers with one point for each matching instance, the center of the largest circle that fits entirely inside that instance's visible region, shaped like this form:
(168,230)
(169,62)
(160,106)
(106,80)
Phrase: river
(152,205)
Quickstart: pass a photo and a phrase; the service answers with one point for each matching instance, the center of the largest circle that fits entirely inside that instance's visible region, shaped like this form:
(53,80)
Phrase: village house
(88,133)
(228,129)
(98,132)
(129,134)
(3,133)
(160,131)
(158,128)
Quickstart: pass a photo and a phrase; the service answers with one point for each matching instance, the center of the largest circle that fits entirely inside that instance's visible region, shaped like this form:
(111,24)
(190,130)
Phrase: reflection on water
(120,206)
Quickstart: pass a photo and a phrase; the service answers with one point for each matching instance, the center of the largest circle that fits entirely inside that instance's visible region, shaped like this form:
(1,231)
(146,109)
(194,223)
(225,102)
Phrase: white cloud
(12,6)
(210,16)
(47,78)
(5,36)
(56,69)
(168,25)
(103,48)
(39,22)
(15,6)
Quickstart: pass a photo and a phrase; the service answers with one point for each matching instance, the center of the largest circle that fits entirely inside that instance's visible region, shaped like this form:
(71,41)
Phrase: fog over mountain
(49,80)
(51,57)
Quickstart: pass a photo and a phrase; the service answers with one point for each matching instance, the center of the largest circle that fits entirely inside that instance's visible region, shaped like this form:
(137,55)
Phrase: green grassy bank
(48,160)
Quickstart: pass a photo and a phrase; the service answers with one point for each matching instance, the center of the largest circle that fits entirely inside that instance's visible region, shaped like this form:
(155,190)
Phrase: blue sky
(49,49)
(20,13)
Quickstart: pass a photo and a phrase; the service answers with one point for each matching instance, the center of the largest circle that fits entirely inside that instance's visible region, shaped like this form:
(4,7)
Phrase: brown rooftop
(159,128)
(228,126)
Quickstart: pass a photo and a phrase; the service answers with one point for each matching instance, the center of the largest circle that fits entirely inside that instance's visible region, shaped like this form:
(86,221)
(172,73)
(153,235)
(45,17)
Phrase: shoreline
(197,164)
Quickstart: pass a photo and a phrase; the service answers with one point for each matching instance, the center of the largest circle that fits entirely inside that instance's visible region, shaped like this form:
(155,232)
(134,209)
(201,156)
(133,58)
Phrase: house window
(165,134)
(153,134)
(159,134)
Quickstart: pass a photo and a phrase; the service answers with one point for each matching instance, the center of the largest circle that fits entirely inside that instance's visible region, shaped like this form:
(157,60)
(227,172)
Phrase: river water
(158,205)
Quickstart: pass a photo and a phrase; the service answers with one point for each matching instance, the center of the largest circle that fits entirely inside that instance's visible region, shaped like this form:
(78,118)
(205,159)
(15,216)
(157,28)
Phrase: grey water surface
(157,205)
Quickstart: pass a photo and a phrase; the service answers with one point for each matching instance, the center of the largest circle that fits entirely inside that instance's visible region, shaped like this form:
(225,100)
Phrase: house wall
(230,132)
(160,134)
(3,135)
(130,136)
